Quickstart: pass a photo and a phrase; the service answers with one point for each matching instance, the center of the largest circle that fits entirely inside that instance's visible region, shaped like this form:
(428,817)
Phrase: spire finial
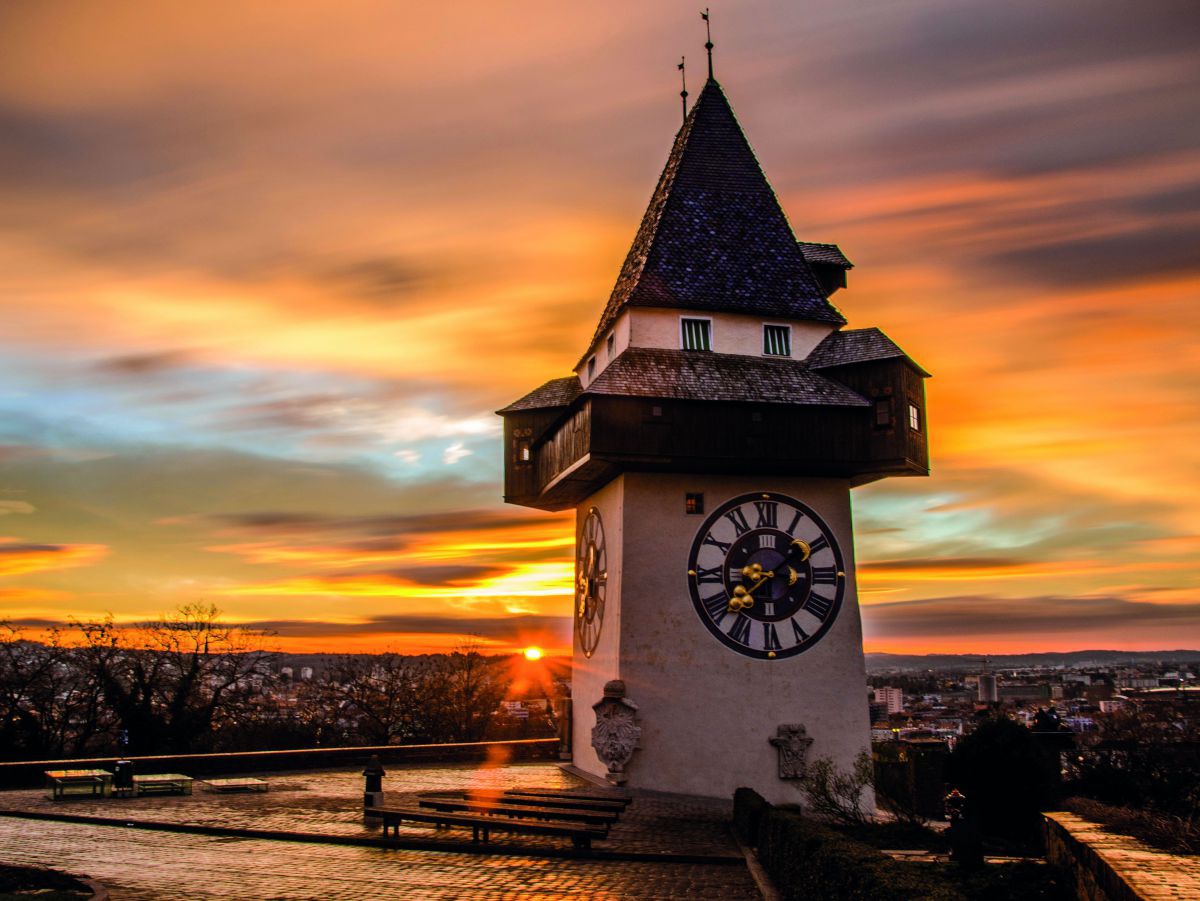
(683,83)
(708,45)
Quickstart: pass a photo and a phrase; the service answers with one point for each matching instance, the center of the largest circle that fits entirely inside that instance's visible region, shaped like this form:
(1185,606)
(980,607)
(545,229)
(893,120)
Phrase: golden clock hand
(743,597)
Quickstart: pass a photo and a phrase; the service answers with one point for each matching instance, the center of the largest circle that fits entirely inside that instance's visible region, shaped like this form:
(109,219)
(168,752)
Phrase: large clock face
(766,575)
(591,582)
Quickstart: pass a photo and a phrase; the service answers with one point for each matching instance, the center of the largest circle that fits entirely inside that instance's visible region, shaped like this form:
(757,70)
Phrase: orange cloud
(19,558)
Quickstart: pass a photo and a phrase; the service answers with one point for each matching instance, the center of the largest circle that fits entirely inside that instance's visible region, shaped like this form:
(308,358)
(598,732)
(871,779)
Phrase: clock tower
(708,442)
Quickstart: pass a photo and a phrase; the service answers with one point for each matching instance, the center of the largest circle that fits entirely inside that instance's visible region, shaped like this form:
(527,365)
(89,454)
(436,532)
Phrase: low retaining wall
(1110,867)
(29,773)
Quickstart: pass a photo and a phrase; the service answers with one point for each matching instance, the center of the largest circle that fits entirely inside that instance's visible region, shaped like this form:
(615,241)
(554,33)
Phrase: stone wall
(28,773)
(1110,867)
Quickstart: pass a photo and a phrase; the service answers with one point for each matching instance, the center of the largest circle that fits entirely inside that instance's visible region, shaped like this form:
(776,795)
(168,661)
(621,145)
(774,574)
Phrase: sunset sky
(266,269)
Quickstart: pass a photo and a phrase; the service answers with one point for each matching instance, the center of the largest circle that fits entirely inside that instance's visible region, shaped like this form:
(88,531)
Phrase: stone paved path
(147,866)
(329,802)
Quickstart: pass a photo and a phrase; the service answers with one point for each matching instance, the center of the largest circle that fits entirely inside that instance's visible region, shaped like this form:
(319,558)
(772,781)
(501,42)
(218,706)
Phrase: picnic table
(62,784)
(237,785)
(162,784)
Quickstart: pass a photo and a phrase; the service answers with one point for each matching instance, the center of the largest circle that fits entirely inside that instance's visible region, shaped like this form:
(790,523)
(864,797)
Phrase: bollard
(373,790)
(966,848)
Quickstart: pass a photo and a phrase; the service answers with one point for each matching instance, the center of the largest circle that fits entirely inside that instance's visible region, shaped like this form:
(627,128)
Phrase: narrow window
(591,367)
(523,455)
(610,344)
(693,503)
(697,334)
(883,412)
(777,340)
(914,418)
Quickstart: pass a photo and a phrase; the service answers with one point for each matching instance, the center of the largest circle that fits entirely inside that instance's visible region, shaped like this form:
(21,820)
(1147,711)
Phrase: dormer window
(591,368)
(777,340)
(696,334)
(610,345)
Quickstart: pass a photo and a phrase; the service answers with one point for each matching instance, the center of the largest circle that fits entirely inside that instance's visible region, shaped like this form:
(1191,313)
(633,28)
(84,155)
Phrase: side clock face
(591,580)
(766,575)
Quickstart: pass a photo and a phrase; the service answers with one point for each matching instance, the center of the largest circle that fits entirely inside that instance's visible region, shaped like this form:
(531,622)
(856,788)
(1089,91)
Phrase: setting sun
(533,653)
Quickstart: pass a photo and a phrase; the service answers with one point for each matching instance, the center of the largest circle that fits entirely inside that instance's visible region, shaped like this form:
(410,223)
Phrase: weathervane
(708,44)
(683,82)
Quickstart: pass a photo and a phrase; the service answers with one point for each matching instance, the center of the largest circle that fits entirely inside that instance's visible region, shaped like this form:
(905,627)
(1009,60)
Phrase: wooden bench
(610,797)
(517,797)
(162,784)
(59,784)
(237,785)
(603,818)
(581,834)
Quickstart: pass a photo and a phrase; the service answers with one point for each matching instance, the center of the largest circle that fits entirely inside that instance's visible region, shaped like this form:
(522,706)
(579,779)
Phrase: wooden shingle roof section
(826,254)
(555,393)
(692,375)
(861,345)
(714,237)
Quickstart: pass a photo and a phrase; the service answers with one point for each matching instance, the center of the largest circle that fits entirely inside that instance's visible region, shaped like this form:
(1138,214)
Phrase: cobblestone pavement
(330,803)
(140,865)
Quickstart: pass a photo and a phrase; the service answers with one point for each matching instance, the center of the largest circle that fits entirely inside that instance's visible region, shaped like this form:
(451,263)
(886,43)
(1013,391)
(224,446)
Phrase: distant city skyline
(266,273)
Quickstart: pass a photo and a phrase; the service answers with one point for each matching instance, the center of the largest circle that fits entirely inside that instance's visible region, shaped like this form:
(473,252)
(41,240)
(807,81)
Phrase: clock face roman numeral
(818,544)
(767,540)
(740,630)
(717,606)
(824,575)
(791,529)
(801,635)
(719,545)
(709,575)
(738,518)
(818,605)
(768,514)
(770,638)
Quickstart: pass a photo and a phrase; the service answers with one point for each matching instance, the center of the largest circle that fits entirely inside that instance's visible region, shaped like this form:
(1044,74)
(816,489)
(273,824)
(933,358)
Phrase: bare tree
(461,694)
(49,707)
(174,684)
(374,700)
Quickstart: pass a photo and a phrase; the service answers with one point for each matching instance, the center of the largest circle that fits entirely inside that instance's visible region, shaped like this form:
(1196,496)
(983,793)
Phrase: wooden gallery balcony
(676,411)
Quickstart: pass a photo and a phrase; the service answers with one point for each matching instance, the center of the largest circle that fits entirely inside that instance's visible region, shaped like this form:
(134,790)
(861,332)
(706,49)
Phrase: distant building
(892,697)
(306,673)
(286,672)
(989,690)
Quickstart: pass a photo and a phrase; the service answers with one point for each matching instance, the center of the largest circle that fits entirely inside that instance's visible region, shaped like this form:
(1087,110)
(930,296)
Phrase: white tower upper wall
(731,333)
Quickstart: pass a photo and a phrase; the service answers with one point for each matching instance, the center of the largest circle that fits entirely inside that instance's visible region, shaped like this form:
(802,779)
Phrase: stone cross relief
(792,743)
(616,733)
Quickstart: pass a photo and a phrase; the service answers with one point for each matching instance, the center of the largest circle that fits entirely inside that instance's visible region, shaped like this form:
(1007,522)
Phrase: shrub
(837,795)
(807,860)
(1008,779)
(1171,833)
(748,810)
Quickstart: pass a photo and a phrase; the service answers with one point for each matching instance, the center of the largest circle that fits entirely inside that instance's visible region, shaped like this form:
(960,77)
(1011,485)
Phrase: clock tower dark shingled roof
(714,238)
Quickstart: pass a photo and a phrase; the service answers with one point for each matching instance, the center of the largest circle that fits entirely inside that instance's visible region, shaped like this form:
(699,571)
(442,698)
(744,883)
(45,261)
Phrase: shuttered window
(777,340)
(697,334)
(914,418)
